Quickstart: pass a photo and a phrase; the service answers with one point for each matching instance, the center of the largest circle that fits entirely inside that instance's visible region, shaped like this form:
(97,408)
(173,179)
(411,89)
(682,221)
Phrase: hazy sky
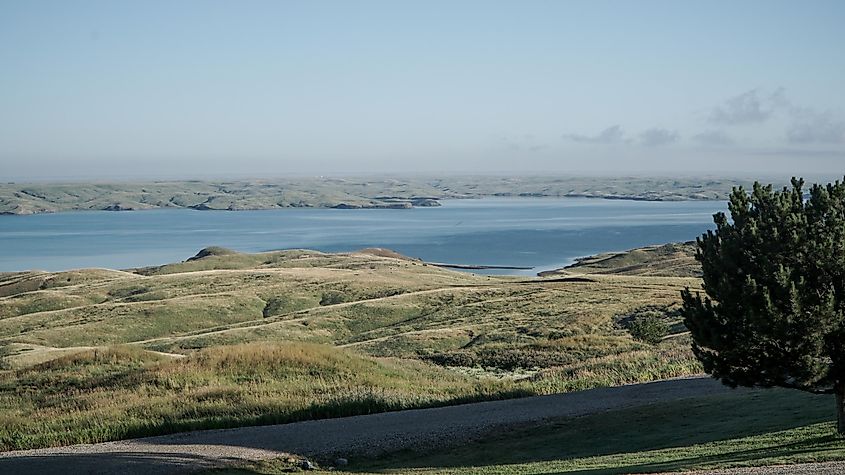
(249,88)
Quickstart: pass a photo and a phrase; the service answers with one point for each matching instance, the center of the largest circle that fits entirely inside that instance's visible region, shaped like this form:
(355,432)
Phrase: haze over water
(538,233)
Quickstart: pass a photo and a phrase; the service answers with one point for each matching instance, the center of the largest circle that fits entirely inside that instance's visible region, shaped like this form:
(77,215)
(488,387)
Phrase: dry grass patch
(122,392)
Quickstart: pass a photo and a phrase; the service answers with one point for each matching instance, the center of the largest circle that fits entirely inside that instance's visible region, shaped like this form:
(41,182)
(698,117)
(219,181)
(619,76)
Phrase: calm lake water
(538,233)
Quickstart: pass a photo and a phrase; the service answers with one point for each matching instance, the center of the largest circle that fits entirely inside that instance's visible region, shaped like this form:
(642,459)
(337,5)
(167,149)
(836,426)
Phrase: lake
(540,233)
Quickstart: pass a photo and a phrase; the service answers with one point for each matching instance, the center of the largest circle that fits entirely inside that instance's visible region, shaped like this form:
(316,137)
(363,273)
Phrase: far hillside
(344,193)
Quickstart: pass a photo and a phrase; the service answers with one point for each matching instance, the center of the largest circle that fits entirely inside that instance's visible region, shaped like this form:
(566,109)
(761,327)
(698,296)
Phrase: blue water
(539,233)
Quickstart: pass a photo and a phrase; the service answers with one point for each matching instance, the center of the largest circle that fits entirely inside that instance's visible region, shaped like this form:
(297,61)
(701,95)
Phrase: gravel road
(360,435)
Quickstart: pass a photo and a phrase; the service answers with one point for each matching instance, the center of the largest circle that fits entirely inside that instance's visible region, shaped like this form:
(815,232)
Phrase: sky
(200,89)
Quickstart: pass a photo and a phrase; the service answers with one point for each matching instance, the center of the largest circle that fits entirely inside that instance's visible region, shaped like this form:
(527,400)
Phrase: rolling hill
(226,339)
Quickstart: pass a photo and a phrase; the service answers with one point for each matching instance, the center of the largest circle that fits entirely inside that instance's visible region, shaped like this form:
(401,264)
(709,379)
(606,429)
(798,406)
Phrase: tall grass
(123,392)
(118,393)
(669,361)
(502,330)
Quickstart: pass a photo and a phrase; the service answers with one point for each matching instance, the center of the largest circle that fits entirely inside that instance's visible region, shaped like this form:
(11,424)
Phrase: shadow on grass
(129,463)
(729,458)
(806,450)
(339,408)
(624,435)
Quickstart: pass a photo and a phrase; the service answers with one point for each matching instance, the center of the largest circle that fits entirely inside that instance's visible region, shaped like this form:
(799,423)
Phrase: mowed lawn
(764,427)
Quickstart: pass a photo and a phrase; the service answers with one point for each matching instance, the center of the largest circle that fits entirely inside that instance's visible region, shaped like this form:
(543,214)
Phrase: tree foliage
(774,277)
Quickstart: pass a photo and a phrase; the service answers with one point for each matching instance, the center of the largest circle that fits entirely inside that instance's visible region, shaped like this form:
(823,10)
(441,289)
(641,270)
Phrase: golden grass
(261,341)
(119,392)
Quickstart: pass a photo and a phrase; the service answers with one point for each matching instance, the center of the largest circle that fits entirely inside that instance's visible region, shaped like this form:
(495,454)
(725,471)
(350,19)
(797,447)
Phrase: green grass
(743,429)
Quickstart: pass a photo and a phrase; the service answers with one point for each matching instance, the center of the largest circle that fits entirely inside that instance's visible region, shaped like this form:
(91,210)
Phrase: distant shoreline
(35,198)
(345,206)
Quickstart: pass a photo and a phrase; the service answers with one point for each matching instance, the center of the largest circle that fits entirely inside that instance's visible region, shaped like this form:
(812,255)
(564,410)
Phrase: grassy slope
(765,427)
(327,192)
(553,335)
(384,307)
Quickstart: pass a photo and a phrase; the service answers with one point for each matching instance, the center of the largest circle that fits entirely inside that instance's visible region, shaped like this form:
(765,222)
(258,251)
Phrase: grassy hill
(673,259)
(219,340)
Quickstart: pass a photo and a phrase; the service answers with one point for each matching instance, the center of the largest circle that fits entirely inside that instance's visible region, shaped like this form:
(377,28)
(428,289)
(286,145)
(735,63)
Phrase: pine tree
(774,278)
